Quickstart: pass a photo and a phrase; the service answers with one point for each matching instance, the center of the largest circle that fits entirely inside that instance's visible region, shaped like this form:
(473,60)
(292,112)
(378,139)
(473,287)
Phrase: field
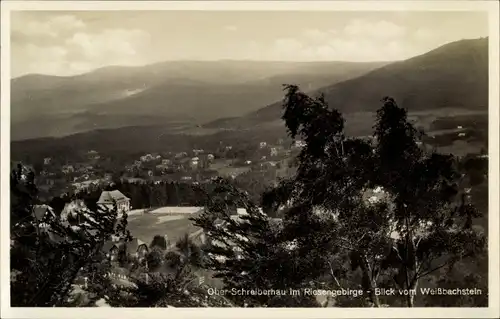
(443,124)
(460,148)
(169,218)
(224,168)
(145,227)
(228,171)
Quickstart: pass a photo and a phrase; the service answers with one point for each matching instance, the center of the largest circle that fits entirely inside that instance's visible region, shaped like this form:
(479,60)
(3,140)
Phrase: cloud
(66,22)
(286,46)
(316,35)
(334,49)
(81,52)
(231,28)
(39,59)
(111,44)
(71,43)
(65,45)
(358,40)
(424,34)
(52,27)
(53,52)
(379,29)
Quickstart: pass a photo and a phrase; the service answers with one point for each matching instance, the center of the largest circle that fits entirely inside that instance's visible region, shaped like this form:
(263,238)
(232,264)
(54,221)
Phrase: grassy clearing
(168,218)
(145,227)
(228,171)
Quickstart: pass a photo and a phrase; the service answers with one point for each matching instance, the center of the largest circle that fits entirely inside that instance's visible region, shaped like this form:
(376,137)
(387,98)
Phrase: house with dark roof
(110,198)
(43,211)
(66,169)
(42,214)
(136,249)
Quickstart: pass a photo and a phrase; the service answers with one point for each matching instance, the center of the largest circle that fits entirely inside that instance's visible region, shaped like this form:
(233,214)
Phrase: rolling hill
(163,93)
(453,76)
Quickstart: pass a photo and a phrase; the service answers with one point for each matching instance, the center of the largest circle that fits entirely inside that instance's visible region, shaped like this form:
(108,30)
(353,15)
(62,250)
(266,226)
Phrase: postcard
(297,159)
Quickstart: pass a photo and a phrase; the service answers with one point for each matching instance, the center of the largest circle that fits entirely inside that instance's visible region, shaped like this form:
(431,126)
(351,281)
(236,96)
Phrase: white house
(147,158)
(93,155)
(110,198)
(198,152)
(195,162)
(66,169)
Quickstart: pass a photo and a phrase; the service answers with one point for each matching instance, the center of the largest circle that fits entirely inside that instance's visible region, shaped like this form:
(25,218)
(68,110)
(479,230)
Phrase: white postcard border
(490,6)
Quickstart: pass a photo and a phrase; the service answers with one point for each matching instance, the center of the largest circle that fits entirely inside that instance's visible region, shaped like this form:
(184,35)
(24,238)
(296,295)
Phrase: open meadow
(146,226)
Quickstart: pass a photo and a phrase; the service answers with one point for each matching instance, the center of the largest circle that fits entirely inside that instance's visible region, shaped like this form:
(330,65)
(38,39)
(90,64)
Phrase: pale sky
(67,43)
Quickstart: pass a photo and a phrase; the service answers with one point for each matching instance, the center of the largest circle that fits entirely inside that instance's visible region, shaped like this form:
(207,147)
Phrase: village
(153,231)
(90,169)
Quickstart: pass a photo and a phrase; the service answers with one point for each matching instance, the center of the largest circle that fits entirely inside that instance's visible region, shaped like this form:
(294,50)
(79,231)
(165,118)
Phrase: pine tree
(47,254)
(249,253)
(169,280)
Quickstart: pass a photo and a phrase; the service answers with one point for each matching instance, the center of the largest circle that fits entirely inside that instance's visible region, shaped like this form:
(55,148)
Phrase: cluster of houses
(93,155)
(74,213)
(153,165)
(107,201)
(182,166)
(135,248)
(85,167)
(56,176)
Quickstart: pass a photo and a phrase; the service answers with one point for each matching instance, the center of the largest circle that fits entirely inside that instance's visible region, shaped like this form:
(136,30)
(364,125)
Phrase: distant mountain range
(168,93)
(453,76)
(242,95)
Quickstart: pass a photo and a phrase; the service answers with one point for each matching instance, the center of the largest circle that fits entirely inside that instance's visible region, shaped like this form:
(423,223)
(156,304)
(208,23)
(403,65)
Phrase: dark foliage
(361,213)
(47,254)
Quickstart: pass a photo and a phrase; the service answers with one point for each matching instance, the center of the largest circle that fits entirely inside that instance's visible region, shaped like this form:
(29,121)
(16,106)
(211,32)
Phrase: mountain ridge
(426,81)
(117,96)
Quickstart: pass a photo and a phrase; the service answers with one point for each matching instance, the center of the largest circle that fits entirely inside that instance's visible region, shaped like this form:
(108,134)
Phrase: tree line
(142,195)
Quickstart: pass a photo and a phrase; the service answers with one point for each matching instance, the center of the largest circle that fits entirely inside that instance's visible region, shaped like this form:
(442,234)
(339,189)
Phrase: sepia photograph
(182,156)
